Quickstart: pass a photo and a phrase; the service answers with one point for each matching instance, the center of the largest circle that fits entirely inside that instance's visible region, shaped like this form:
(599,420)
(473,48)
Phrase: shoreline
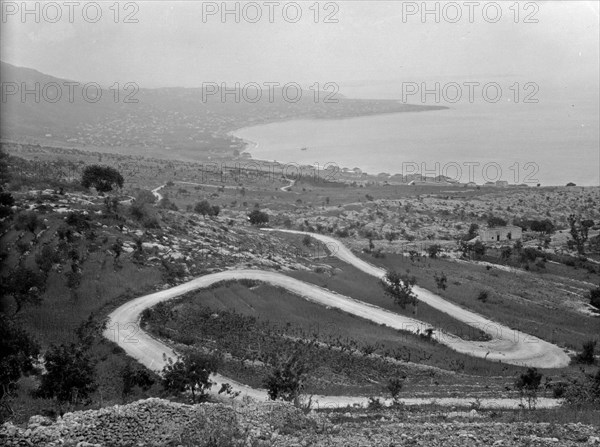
(421,178)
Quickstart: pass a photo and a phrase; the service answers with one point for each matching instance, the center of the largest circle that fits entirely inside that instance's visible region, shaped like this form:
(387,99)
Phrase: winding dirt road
(507,345)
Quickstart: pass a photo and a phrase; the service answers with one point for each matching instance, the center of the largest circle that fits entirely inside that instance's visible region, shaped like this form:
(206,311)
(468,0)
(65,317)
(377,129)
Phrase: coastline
(398,149)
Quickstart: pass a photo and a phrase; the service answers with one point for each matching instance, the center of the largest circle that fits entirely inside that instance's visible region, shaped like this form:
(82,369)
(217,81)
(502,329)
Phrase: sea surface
(552,142)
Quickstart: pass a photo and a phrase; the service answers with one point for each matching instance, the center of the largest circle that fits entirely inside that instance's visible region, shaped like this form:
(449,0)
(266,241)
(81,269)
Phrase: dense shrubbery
(18,355)
(103,178)
(258,218)
(206,209)
(585,391)
(190,373)
(286,380)
(70,375)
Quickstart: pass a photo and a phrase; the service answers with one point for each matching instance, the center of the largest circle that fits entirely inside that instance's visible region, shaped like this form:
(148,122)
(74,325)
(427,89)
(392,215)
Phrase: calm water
(553,142)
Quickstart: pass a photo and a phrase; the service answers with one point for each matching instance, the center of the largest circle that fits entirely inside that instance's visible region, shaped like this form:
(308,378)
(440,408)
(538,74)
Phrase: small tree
(307,240)
(138,252)
(494,221)
(70,375)
(505,253)
(434,250)
(478,249)
(399,288)
(46,258)
(190,373)
(103,178)
(579,230)
(441,281)
(543,226)
(586,356)
(394,386)
(134,376)
(145,196)
(528,385)
(203,207)
(25,286)
(473,231)
(18,354)
(258,217)
(584,392)
(27,220)
(286,380)
(117,248)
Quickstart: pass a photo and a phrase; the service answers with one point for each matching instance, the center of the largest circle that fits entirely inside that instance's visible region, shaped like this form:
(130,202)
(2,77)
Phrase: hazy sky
(172,46)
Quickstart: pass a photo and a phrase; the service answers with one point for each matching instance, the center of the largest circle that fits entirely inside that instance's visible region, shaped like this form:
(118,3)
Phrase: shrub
(27,220)
(483,296)
(190,373)
(394,386)
(258,217)
(586,356)
(70,375)
(135,376)
(286,380)
(103,178)
(399,288)
(25,286)
(494,221)
(434,250)
(586,391)
(595,297)
(528,385)
(145,196)
(441,281)
(78,220)
(19,353)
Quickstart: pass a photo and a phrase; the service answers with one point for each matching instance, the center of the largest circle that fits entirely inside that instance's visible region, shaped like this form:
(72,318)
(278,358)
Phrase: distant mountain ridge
(194,120)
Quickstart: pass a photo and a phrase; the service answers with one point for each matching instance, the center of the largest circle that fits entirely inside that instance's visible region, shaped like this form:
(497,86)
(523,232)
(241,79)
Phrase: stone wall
(157,422)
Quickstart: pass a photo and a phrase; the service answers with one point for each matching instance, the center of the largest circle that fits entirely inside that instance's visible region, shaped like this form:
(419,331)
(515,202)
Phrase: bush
(70,375)
(586,356)
(135,376)
(394,386)
(595,297)
(258,217)
(204,207)
(27,220)
(286,380)
(78,220)
(399,288)
(25,286)
(586,391)
(433,251)
(494,221)
(528,385)
(103,178)
(145,196)
(190,373)
(441,281)
(19,353)
(483,296)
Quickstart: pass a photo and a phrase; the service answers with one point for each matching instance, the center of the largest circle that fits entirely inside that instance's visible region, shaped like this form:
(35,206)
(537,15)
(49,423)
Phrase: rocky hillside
(157,422)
